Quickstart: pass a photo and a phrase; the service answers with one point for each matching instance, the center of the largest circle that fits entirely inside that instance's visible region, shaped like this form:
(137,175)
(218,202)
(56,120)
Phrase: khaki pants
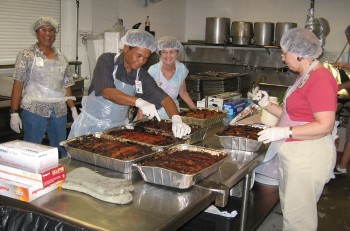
(305,168)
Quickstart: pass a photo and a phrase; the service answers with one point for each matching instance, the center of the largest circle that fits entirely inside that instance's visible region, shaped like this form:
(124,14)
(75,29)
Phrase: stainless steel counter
(153,208)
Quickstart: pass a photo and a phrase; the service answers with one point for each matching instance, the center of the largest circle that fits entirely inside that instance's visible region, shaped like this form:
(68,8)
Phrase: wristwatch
(290,132)
(13,111)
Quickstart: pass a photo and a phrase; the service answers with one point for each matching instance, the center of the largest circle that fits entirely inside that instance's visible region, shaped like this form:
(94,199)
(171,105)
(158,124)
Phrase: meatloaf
(242,130)
(163,125)
(201,113)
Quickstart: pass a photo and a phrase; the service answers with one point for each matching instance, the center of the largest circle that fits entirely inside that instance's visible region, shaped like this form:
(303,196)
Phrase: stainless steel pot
(282,27)
(241,32)
(263,33)
(217,30)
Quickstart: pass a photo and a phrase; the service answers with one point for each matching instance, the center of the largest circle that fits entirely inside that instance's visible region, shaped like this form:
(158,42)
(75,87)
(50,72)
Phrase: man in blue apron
(118,83)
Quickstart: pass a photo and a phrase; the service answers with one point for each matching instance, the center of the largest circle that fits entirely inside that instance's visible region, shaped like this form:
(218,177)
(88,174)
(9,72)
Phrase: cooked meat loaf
(111,148)
(201,113)
(140,135)
(185,161)
(245,131)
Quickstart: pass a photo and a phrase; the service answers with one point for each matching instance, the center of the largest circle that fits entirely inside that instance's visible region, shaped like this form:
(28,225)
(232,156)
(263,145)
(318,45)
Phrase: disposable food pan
(162,176)
(197,133)
(240,143)
(125,166)
(205,122)
(141,140)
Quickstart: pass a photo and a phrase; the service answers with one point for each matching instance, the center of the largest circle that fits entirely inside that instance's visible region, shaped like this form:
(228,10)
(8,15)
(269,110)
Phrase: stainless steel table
(154,207)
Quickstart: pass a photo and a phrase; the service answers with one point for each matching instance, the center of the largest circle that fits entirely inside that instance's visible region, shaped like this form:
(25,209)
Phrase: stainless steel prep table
(153,208)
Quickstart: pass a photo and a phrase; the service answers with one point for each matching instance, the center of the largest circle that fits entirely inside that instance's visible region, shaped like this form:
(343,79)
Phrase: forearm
(118,97)
(187,99)
(274,109)
(70,102)
(16,94)
(170,107)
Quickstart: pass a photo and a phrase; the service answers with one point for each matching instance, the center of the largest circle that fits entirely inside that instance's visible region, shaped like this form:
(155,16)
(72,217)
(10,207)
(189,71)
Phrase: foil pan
(161,176)
(175,141)
(124,166)
(205,122)
(191,138)
(240,143)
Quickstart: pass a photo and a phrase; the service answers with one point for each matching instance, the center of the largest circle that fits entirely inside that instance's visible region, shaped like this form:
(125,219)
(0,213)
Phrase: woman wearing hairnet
(43,77)
(303,136)
(119,82)
(169,73)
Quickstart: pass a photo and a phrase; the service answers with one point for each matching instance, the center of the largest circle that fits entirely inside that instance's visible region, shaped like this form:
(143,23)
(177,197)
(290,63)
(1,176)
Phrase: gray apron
(99,114)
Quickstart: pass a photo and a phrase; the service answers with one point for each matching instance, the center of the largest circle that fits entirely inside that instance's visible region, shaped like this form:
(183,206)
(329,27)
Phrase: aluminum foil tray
(125,166)
(240,143)
(161,176)
(192,138)
(160,133)
(205,122)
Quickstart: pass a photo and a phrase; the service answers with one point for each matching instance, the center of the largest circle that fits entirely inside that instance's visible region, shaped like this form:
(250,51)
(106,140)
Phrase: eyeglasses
(170,52)
(45,30)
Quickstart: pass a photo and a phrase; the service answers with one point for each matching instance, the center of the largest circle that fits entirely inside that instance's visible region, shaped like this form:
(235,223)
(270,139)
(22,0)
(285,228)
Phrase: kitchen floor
(333,208)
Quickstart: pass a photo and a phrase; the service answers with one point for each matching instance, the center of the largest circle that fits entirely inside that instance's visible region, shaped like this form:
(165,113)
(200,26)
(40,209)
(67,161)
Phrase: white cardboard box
(218,101)
(33,179)
(28,156)
(24,192)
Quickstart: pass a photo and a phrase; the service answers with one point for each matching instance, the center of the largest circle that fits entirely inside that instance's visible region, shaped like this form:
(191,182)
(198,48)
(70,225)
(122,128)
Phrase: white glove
(263,98)
(273,134)
(148,109)
(74,113)
(179,128)
(16,122)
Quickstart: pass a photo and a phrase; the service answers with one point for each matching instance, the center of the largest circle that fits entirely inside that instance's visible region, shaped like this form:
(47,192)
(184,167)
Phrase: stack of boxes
(232,102)
(28,171)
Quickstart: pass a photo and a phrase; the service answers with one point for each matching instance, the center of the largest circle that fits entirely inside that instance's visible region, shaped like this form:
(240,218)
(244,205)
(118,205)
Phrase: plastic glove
(179,128)
(148,109)
(263,98)
(74,113)
(16,122)
(273,134)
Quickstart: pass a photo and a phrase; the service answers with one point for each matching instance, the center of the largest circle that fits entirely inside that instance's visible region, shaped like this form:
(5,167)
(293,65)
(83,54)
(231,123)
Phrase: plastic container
(266,117)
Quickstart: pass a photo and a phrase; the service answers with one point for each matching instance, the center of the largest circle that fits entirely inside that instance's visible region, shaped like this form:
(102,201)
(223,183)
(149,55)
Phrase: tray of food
(143,136)
(181,166)
(242,137)
(104,151)
(203,117)
(197,133)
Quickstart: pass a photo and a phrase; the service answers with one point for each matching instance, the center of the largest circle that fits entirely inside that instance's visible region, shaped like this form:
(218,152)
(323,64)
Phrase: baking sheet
(161,176)
(125,166)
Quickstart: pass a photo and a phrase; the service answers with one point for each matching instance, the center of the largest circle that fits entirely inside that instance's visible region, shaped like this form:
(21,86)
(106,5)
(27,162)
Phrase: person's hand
(74,113)
(16,122)
(179,128)
(262,97)
(148,109)
(273,134)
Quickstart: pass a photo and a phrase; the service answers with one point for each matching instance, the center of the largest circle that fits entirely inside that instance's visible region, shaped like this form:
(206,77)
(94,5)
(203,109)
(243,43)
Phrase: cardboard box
(25,192)
(218,101)
(28,156)
(234,108)
(33,179)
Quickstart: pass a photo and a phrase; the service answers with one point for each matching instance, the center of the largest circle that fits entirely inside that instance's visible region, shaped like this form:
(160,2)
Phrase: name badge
(39,61)
(138,84)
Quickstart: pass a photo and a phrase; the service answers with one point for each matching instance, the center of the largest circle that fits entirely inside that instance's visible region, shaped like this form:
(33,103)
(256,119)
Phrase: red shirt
(318,94)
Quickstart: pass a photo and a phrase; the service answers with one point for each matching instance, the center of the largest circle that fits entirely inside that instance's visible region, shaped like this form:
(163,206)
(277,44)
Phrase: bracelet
(290,132)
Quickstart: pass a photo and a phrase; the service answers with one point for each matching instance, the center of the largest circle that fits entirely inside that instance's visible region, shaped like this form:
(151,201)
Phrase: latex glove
(273,134)
(148,109)
(263,98)
(74,113)
(179,128)
(16,122)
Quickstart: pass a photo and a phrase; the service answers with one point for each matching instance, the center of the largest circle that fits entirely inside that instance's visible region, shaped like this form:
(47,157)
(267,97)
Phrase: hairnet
(169,42)
(347,31)
(139,38)
(45,21)
(301,42)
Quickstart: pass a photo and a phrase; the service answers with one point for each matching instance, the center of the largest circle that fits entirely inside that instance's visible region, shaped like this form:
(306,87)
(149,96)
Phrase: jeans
(35,126)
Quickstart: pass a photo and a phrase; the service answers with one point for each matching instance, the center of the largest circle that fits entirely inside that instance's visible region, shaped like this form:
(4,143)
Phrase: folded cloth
(104,188)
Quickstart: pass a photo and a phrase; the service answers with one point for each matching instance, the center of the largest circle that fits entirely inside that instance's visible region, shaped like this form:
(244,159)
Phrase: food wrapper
(249,110)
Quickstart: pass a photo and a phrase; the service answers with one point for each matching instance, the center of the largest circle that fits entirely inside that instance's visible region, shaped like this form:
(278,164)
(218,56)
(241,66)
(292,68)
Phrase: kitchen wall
(185,19)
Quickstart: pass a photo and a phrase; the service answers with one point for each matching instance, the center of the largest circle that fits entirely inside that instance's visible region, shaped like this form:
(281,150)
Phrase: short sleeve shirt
(103,78)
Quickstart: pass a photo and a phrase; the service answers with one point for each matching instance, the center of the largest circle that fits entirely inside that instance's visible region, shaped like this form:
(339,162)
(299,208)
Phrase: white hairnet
(169,42)
(139,38)
(45,21)
(301,42)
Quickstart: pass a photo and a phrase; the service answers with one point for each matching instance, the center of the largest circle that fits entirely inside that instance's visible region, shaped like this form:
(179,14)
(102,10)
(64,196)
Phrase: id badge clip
(39,61)
(138,84)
